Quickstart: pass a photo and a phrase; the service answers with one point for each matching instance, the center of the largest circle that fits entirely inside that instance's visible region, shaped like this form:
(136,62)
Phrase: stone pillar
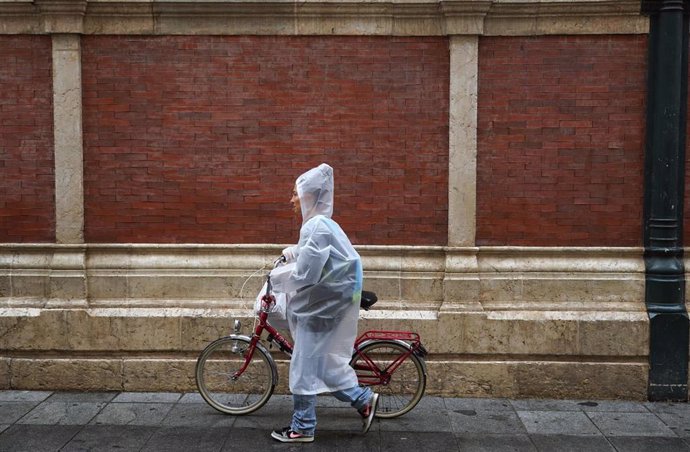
(67,117)
(461,283)
(462,164)
(67,279)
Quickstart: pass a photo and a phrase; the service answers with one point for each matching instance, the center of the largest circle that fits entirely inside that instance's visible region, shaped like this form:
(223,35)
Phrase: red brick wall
(27,184)
(560,140)
(200,139)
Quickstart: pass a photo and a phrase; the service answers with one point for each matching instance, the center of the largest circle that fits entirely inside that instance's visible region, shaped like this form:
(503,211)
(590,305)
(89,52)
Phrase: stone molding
(61,16)
(407,278)
(394,17)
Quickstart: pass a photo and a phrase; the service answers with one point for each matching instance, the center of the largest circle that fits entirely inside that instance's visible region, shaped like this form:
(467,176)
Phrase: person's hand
(289,254)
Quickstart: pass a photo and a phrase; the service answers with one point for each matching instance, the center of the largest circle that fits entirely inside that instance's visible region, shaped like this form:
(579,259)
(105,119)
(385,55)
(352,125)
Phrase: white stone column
(67,120)
(462,164)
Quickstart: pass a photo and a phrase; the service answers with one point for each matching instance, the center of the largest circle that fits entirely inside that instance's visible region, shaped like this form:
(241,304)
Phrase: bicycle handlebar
(280,260)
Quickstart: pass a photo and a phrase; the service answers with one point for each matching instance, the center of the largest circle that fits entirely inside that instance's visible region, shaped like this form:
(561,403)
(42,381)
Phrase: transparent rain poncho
(327,279)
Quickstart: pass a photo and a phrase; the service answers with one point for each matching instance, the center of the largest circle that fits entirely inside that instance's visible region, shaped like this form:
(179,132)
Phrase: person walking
(325,283)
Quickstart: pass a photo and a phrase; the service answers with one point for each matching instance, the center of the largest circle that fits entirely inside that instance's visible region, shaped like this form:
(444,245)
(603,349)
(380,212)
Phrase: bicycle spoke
(216,369)
(405,385)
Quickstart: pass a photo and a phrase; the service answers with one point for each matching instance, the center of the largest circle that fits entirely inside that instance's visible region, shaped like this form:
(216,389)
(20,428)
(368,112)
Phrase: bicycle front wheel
(406,383)
(215,376)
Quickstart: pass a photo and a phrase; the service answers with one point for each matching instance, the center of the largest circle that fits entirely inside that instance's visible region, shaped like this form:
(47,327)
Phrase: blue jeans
(304,415)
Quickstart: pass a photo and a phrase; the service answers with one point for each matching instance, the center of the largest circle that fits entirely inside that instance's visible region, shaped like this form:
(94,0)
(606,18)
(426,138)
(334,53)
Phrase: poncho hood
(315,191)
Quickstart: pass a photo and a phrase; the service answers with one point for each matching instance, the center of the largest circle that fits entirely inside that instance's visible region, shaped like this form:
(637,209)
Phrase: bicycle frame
(391,361)
(285,346)
(409,340)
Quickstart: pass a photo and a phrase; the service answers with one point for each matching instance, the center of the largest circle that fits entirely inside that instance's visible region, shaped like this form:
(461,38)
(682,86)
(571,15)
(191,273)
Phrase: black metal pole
(664,181)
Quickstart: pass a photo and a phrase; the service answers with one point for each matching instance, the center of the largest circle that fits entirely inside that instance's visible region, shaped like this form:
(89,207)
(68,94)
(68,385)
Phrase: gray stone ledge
(323,17)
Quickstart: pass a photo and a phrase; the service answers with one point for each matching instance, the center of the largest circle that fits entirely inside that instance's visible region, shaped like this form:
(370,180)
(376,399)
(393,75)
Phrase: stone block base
(527,354)
(451,378)
(498,322)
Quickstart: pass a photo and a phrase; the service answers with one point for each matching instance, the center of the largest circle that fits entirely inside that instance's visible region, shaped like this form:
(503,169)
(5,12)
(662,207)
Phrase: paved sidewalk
(50,421)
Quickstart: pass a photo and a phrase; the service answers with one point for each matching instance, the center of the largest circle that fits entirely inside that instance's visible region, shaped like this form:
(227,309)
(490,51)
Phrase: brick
(214,139)
(26,140)
(563,185)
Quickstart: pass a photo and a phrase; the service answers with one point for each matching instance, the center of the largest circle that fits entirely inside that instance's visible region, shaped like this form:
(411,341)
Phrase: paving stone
(613,406)
(494,443)
(269,417)
(479,404)
(184,422)
(435,403)
(645,444)
(332,441)
(545,405)
(630,424)
(341,419)
(675,415)
(490,422)
(90,397)
(680,409)
(147,397)
(348,442)
(109,437)
(192,397)
(33,438)
(24,396)
(187,439)
(558,423)
(420,441)
(11,412)
(246,440)
(133,414)
(679,423)
(196,415)
(420,419)
(568,443)
(243,440)
(276,417)
(62,413)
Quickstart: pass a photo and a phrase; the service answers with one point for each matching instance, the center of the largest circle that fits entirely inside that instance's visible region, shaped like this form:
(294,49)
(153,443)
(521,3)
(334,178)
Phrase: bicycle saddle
(368,300)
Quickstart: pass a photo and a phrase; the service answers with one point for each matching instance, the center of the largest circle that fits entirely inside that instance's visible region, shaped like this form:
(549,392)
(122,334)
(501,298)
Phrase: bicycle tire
(407,384)
(217,364)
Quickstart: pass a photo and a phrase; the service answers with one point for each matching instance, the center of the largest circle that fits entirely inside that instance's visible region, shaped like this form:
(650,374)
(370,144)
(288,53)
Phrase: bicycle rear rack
(407,336)
(383,335)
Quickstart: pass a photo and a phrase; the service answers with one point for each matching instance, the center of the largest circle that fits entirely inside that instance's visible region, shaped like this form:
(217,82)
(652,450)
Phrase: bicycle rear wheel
(216,366)
(407,383)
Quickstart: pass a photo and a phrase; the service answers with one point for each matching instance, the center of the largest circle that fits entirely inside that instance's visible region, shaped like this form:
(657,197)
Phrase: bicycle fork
(248,353)
(254,343)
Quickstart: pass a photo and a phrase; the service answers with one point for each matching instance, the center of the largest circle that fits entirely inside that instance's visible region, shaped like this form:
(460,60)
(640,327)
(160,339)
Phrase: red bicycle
(236,374)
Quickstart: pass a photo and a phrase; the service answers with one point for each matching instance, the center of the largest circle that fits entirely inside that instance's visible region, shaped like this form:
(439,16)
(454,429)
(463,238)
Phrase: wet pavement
(129,421)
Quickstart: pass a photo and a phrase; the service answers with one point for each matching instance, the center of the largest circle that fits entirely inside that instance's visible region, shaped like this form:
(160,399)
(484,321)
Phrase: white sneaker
(286,435)
(368,412)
